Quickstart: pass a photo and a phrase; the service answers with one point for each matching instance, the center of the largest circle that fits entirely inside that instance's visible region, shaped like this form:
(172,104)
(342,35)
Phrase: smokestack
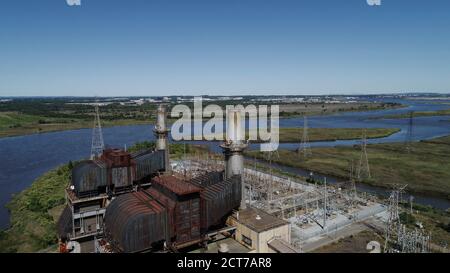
(161,132)
(233,149)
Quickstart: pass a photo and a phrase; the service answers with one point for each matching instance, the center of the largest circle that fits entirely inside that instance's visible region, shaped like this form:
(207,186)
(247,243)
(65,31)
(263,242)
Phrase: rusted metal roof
(117,158)
(176,185)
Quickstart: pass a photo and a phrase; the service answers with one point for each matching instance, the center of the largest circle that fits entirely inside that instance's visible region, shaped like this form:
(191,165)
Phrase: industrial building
(132,202)
(144,202)
(262,232)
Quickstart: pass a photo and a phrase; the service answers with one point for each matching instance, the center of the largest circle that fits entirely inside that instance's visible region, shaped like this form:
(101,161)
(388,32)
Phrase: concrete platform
(233,246)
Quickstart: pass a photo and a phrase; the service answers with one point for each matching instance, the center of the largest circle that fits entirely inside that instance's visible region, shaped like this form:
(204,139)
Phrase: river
(25,158)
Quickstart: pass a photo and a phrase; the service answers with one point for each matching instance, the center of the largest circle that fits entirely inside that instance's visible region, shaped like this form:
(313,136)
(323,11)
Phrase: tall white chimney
(234,147)
(161,133)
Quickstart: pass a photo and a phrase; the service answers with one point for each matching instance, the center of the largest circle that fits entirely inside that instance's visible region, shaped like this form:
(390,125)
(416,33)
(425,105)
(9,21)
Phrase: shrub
(407,219)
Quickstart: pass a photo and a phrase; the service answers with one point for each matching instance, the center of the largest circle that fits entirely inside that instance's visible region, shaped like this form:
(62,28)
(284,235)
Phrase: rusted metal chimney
(161,132)
(234,147)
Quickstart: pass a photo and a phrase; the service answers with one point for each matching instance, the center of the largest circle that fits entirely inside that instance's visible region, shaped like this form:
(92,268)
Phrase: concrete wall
(259,240)
(282,232)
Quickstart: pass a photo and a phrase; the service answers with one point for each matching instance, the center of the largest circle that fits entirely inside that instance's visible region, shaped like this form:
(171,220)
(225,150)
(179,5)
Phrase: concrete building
(261,232)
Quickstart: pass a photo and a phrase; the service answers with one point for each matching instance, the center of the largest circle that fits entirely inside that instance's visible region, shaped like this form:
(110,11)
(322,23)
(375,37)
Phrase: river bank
(445,112)
(34,213)
(16,123)
(294,135)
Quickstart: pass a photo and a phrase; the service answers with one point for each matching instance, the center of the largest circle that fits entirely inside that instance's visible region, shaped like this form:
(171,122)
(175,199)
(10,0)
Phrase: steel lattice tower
(409,133)
(398,237)
(393,225)
(352,184)
(364,168)
(305,148)
(269,157)
(393,220)
(97,136)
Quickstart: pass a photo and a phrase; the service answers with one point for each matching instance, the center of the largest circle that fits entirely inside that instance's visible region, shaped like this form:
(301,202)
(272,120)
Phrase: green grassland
(15,124)
(435,221)
(426,169)
(33,211)
(293,135)
(315,109)
(331,134)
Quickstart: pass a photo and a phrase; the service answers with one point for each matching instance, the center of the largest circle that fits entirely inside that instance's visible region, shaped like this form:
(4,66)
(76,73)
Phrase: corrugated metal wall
(65,225)
(134,222)
(148,163)
(208,179)
(171,210)
(88,176)
(219,200)
(187,220)
(185,215)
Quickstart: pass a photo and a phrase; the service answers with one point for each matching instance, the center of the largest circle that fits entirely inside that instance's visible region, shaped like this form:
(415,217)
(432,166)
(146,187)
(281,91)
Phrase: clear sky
(223,47)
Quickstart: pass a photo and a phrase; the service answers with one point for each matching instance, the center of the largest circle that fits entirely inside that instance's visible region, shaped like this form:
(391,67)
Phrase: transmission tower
(364,169)
(269,157)
(97,136)
(305,148)
(393,224)
(409,133)
(325,203)
(398,237)
(352,184)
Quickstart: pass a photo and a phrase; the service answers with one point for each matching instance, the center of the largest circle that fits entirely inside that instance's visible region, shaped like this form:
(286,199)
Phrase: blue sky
(223,47)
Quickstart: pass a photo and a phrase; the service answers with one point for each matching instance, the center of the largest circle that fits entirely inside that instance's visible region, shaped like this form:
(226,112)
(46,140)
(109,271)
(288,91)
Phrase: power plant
(120,201)
(133,202)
